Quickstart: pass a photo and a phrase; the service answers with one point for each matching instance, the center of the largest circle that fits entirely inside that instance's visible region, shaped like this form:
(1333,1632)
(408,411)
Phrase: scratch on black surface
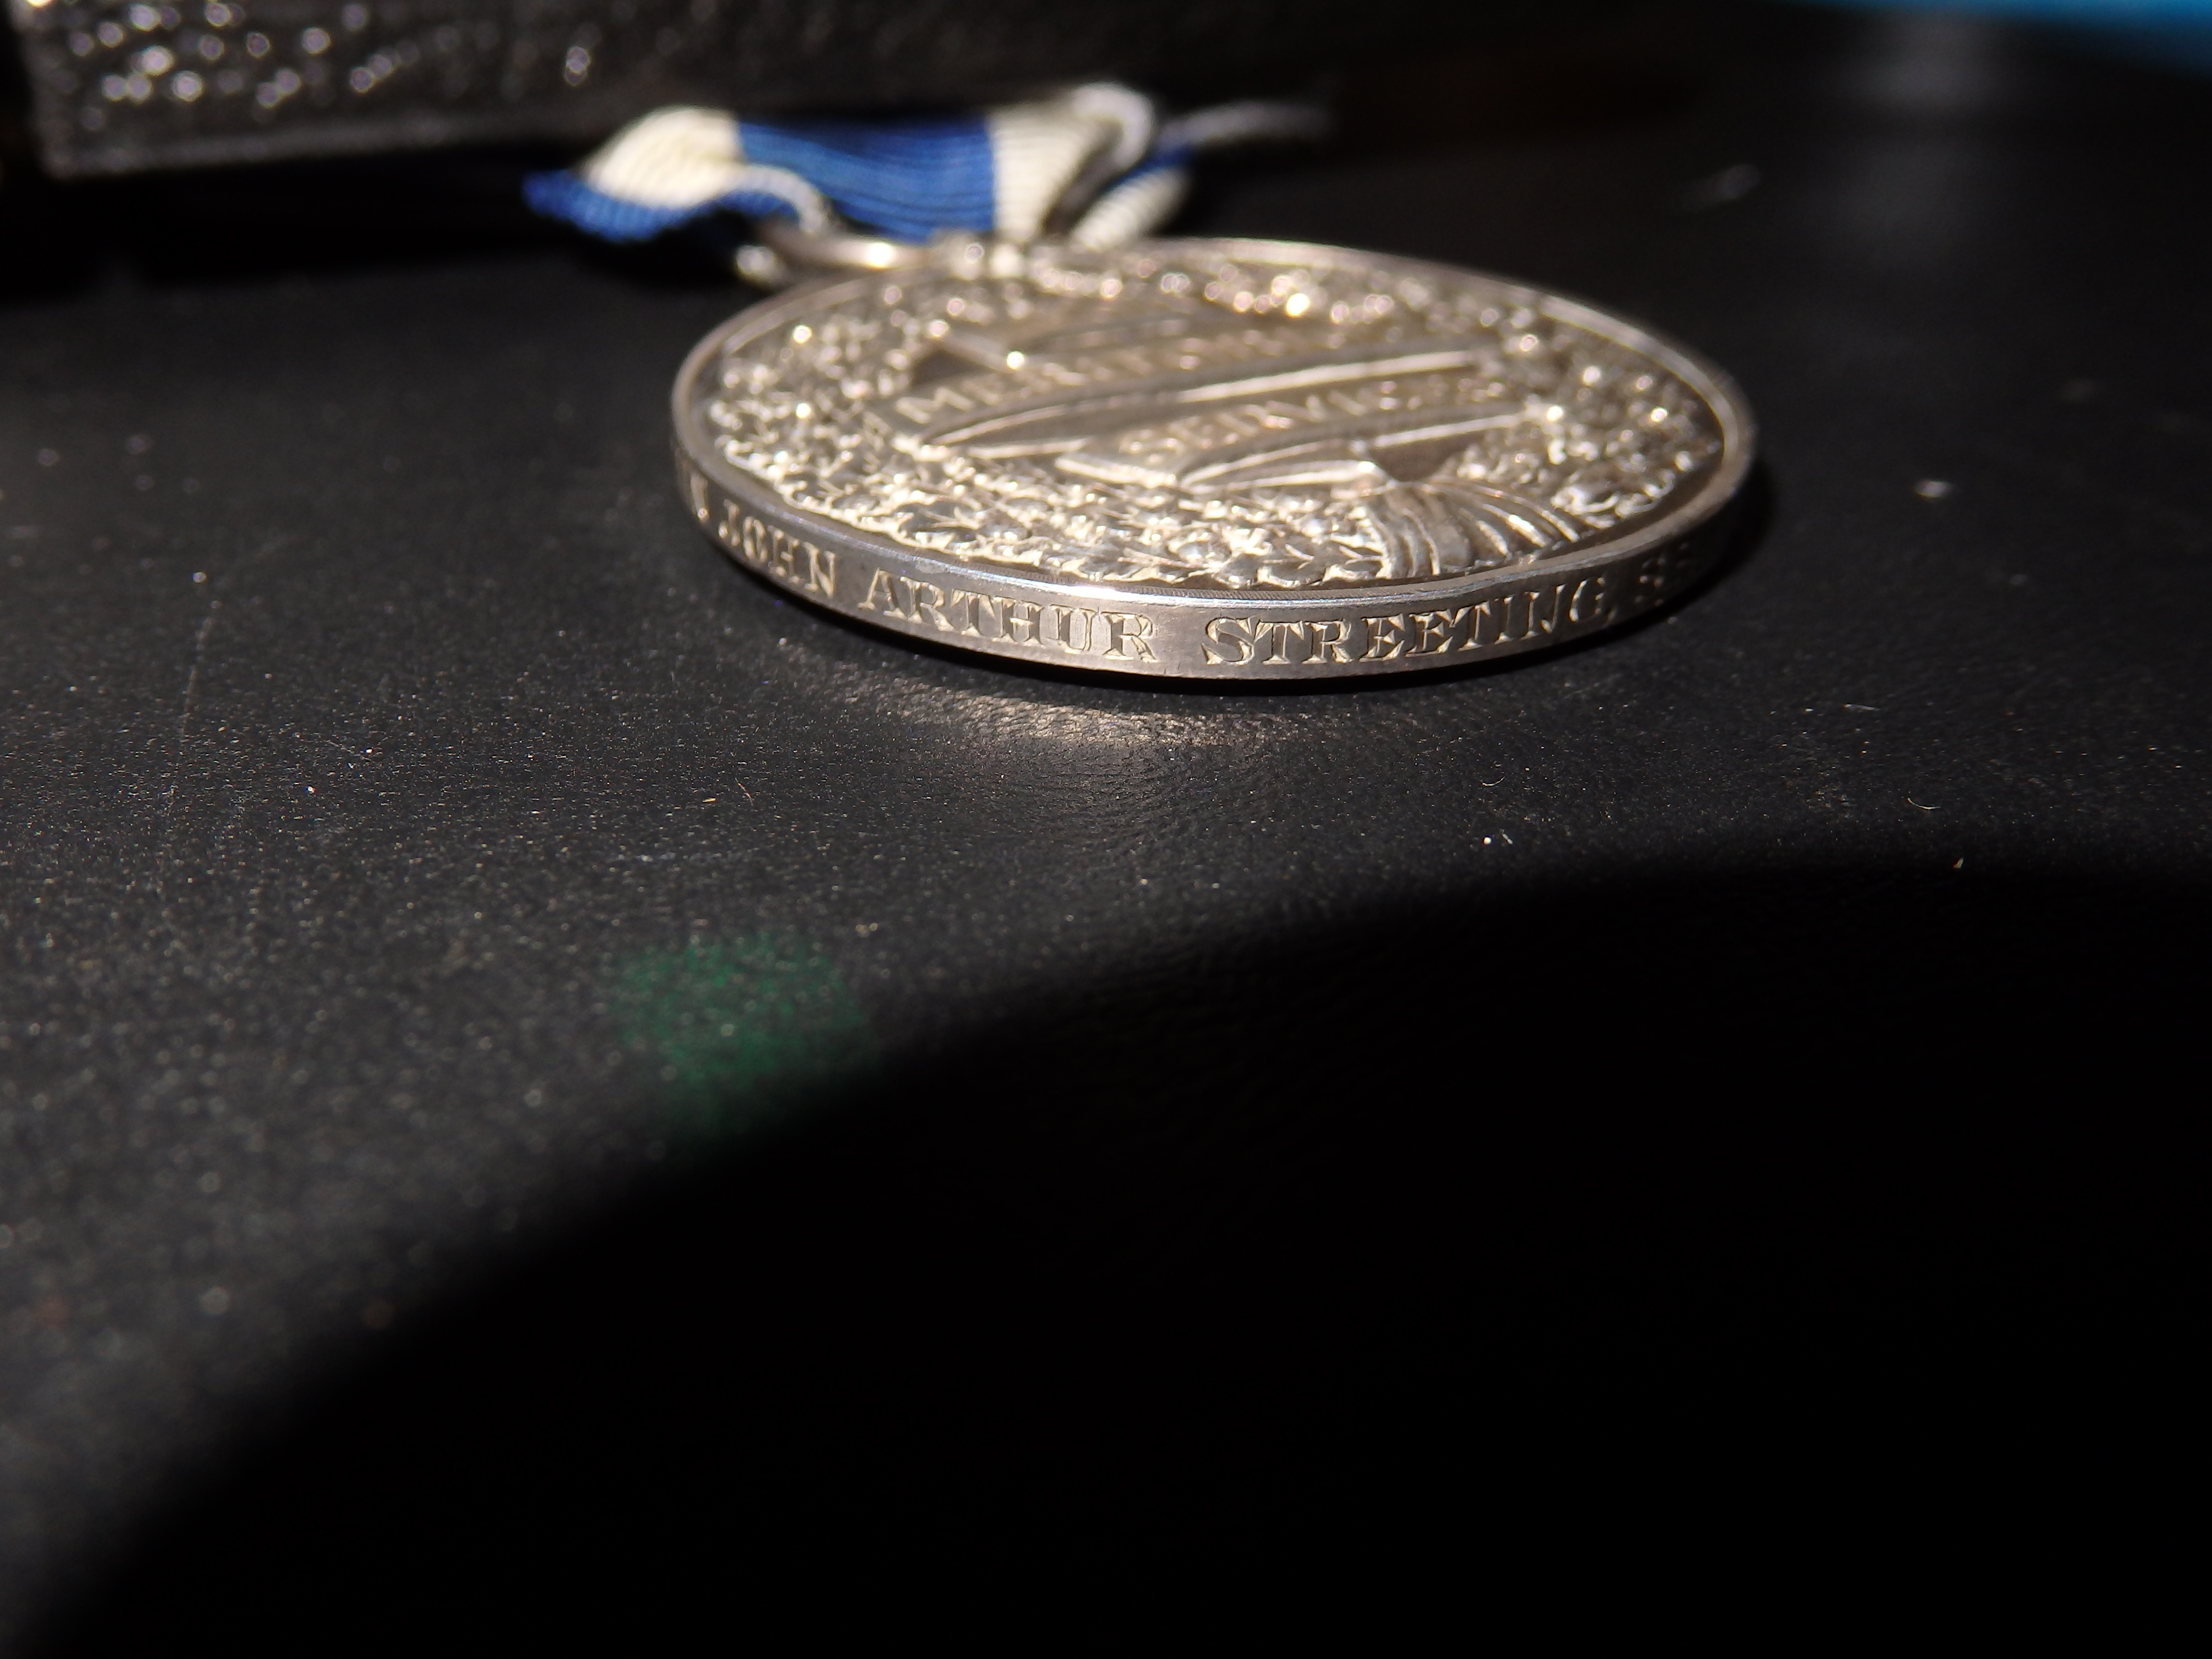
(176,764)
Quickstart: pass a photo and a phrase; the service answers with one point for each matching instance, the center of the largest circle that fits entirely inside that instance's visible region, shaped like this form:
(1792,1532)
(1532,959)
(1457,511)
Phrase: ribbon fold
(1095,164)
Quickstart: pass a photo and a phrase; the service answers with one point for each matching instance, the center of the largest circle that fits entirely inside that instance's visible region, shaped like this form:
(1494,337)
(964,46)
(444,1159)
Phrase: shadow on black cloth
(1628,1219)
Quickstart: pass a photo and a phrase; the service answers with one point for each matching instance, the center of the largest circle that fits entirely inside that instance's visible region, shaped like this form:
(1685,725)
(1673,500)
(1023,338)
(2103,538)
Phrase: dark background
(709,1118)
(425,74)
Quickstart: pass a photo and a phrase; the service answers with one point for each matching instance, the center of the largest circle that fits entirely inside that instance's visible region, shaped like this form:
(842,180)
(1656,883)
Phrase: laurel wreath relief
(1233,425)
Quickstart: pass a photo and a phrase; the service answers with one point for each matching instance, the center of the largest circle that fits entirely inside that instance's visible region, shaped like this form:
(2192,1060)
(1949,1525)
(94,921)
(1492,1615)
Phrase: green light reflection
(741,1027)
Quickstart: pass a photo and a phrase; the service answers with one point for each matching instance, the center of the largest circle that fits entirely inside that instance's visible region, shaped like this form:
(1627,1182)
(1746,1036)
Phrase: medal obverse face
(1224,460)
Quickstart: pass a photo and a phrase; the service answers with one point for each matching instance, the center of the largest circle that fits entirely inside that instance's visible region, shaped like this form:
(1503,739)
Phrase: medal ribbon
(1095,164)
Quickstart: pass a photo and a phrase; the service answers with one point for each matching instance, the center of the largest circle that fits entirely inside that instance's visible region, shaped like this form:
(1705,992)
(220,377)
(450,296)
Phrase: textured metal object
(1234,460)
(122,85)
(831,251)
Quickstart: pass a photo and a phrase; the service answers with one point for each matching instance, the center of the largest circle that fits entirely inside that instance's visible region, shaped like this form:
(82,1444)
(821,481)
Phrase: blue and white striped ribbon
(1003,173)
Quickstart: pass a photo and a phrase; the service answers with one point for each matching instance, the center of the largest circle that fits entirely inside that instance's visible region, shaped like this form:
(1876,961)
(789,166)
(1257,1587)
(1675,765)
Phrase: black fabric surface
(482,71)
(548,1091)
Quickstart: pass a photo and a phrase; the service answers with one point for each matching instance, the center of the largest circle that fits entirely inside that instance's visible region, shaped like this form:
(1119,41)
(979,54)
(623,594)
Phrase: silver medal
(1209,458)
